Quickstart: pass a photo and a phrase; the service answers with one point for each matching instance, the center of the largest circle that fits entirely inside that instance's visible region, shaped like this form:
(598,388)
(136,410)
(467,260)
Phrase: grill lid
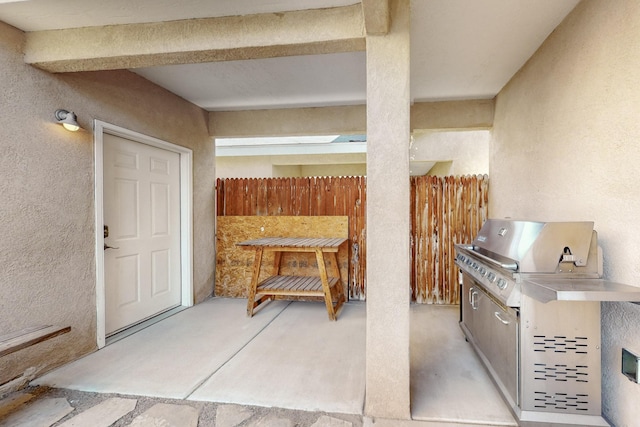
(536,247)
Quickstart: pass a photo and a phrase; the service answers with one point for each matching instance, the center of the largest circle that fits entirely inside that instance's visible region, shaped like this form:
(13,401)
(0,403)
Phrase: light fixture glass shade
(67,119)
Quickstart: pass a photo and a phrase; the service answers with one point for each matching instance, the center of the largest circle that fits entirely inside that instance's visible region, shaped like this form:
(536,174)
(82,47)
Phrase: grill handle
(510,266)
(473,299)
(504,322)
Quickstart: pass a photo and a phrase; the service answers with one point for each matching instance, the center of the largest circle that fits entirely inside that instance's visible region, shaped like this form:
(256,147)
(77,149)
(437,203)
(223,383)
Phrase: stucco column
(388,228)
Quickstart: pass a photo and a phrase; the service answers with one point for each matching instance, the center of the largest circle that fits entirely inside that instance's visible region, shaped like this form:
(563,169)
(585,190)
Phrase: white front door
(142,275)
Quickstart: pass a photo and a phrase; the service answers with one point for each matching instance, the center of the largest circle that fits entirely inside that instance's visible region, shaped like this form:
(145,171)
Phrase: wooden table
(330,288)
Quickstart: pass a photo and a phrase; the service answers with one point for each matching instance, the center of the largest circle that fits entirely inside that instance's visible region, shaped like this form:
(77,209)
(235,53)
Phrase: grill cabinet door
(497,337)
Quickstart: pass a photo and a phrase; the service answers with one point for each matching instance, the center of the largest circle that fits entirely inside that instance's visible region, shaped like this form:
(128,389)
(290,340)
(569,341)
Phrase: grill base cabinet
(543,357)
(531,294)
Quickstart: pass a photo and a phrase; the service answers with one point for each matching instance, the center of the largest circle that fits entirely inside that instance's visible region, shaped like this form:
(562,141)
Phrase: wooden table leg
(276,263)
(340,298)
(254,282)
(328,300)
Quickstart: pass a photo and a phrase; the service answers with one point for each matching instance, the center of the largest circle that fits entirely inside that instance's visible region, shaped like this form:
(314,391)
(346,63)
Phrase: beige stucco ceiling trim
(288,122)
(376,16)
(449,115)
(467,114)
(197,40)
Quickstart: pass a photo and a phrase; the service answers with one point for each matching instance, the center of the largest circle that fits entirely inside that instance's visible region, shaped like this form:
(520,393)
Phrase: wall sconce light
(67,119)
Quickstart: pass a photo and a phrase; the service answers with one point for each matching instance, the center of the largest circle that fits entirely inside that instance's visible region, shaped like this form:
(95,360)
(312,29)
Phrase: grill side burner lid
(537,247)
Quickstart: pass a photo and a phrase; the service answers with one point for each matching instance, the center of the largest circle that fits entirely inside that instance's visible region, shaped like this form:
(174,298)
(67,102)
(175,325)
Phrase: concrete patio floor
(291,357)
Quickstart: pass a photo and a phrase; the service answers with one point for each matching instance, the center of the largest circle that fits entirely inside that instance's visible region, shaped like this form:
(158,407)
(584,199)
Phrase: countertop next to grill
(552,289)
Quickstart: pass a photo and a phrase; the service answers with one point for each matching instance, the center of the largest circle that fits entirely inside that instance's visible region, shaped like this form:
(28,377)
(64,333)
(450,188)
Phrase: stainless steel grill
(531,310)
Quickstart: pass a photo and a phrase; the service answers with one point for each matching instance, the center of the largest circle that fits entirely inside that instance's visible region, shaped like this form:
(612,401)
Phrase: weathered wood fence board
(444,212)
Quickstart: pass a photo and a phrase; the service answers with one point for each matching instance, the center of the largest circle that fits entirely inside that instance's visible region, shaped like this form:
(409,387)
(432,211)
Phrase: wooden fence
(317,196)
(444,212)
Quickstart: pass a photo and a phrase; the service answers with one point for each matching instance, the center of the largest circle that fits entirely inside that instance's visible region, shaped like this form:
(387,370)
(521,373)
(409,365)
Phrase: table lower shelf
(294,285)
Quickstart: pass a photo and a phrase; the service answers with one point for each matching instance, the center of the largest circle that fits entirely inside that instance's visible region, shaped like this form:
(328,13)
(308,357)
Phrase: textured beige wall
(287,171)
(566,146)
(289,122)
(469,114)
(46,183)
(291,165)
(334,170)
(243,167)
(459,152)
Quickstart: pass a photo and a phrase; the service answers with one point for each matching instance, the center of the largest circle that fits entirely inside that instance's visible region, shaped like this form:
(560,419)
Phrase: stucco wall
(566,146)
(46,184)
(243,167)
(458,152)
(290,166)
(335,170)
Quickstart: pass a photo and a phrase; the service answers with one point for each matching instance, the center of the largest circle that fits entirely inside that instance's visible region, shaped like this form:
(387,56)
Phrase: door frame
(101,128)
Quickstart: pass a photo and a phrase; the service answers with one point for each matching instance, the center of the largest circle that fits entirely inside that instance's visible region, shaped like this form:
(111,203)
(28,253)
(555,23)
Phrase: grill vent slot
(578,403)
(561,373)
(560,344)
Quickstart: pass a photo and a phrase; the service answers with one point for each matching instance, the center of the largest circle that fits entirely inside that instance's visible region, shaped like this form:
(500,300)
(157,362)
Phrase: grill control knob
(502,283)
(491,277)
(482,271)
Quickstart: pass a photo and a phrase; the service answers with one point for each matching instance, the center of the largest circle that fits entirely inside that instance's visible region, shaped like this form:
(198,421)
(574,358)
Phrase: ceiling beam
(197,40)
(376,16)
(441,115)
(451,115)
(288,122)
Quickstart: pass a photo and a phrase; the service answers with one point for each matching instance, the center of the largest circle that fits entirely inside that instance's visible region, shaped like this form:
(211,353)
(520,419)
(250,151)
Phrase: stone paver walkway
(53,407)
(50,407)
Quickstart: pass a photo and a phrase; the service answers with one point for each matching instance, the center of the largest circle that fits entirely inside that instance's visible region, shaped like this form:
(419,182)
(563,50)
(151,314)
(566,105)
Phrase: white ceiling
(460,49)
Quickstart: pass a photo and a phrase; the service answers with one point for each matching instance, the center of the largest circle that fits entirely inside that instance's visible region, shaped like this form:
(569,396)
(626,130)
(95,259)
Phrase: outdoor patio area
(289,355)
